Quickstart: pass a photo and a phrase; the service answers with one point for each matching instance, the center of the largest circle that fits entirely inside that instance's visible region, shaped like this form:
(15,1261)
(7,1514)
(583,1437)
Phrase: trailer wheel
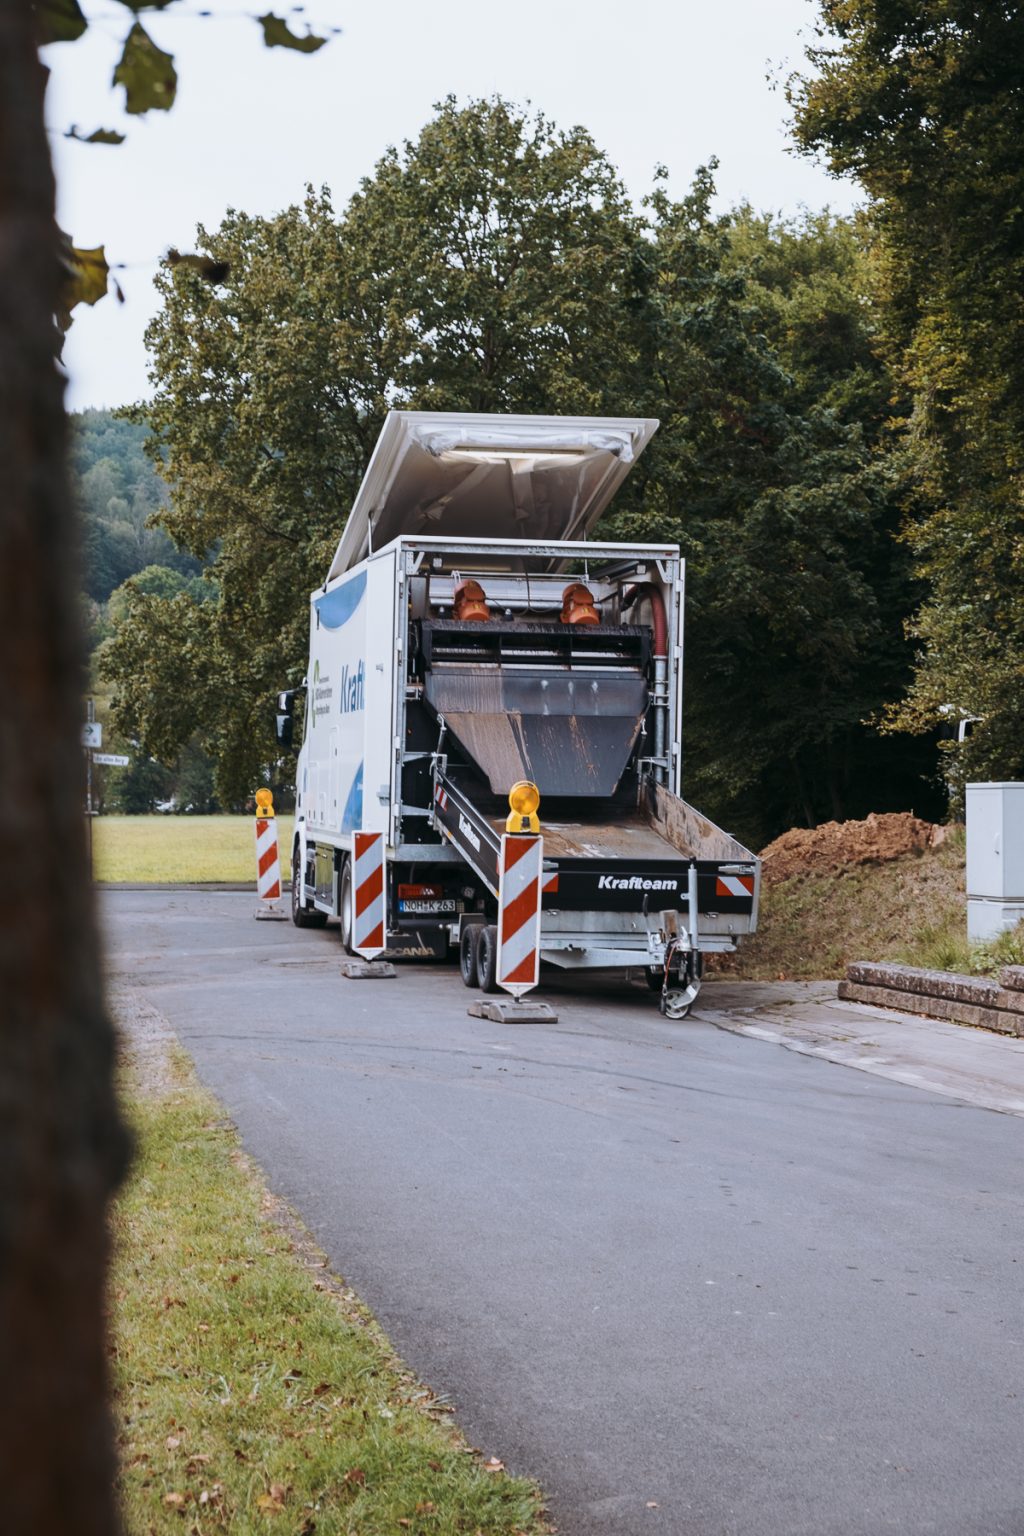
(655,976)
(673,1005)
(487,957)
(468,956)
(303,916)
(345,906)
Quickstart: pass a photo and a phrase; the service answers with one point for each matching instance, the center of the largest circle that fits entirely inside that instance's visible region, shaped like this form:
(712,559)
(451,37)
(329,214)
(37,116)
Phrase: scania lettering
(474,632)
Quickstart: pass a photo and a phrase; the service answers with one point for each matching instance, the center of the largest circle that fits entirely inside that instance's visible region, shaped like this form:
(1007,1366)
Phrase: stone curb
(972,1000)
(978,991)
(950,1009)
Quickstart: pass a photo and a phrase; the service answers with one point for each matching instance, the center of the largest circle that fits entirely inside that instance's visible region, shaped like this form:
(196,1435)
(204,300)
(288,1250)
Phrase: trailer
(473,638)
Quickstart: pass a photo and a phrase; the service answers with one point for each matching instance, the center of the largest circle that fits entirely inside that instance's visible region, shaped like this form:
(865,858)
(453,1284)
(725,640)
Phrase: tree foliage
(117,491)
(481,267)
(924,104)
(764,470)
(496,265)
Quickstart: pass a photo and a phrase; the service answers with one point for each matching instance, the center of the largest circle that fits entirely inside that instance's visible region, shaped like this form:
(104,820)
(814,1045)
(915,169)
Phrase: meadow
(171,850)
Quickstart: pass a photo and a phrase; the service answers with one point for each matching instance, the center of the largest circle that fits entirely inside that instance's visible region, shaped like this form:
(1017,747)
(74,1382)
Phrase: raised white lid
(458,475)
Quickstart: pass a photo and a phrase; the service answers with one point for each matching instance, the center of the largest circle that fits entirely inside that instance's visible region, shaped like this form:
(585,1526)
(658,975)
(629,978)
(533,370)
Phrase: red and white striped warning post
(368,894)
(268,862)
(519,898)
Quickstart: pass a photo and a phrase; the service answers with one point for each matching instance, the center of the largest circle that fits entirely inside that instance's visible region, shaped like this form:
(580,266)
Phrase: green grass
(170,849)
(947,949)
(254,1393)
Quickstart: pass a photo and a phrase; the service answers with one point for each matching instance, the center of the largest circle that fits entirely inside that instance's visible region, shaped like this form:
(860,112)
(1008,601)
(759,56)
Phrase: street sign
(92,734)
(111,759)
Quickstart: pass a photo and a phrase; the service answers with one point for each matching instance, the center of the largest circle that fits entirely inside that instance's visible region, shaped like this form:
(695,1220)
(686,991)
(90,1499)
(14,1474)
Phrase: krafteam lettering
(634,883)
(467,831)
(352,693)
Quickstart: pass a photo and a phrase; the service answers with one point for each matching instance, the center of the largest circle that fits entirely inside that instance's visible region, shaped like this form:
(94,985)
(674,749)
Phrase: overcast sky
(672,81)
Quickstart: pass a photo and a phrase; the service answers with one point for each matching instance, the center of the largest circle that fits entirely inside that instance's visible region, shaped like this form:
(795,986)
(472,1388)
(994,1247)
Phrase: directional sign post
(92,734)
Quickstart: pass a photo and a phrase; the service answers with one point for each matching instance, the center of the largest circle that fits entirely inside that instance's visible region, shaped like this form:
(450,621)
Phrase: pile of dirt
(836,844)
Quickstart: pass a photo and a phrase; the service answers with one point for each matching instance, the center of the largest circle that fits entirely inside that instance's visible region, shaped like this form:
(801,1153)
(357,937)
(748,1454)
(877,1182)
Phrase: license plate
(428,904)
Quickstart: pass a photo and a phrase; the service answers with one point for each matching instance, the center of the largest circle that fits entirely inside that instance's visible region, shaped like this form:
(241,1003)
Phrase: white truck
(471,635)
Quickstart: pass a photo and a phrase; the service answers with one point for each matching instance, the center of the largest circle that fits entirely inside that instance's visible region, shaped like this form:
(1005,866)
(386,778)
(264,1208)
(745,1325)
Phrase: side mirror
(285,722)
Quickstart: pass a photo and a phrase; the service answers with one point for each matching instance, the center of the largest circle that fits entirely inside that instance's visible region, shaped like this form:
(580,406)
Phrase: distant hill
(117,490)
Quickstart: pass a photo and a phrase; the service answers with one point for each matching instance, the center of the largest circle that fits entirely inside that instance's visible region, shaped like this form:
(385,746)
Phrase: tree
(766,475)
(62,1143)
(923,104)
(813,283)
(495,264)
(117,491)
(483,267)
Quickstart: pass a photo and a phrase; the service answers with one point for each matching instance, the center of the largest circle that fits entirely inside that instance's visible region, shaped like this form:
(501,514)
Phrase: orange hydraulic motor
(470,602)
(578,605)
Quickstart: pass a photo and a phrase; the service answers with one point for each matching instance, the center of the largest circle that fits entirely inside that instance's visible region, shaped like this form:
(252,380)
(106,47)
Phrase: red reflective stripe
(517,848)
(524,970)
(273,893)
(551,885)
(261,825)
(374,940)
(522,910)
(267,858)
(370,889)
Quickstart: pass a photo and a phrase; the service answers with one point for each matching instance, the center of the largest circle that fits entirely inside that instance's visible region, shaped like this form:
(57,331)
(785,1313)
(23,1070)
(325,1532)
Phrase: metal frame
(411,550)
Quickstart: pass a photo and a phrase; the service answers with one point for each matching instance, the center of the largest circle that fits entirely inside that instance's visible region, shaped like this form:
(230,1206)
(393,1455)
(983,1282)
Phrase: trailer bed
(629,836)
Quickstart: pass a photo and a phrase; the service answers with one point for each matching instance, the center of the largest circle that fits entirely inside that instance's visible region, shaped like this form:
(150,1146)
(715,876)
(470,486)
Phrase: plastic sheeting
(454,476)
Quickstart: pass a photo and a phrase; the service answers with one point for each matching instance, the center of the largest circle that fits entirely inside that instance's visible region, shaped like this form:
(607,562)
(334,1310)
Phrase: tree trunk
(62,1144)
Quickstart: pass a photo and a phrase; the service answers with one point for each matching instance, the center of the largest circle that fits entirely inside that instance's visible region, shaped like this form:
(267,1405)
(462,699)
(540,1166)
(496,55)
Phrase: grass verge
(171,849)
(911,910)
(812,925)
(254,1393)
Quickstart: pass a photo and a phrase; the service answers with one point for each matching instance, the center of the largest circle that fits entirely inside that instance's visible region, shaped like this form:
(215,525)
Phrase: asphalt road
(653,1264)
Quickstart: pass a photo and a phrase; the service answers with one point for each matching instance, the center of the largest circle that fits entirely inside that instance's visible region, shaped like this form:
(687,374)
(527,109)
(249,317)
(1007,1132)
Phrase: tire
(655,978)
(673,1009)
(487,957)
(303,916)
(468,957)
(345,906)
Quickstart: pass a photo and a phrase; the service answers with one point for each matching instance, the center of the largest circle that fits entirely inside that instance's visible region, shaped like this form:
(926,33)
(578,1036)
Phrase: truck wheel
(468,957)
(487,957)
(303,916)
(345,906)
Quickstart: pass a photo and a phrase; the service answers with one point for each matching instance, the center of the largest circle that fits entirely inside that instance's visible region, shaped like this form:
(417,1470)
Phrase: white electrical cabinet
(995,858)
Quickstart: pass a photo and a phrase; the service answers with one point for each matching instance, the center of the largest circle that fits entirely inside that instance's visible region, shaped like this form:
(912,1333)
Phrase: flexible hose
(649,590)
